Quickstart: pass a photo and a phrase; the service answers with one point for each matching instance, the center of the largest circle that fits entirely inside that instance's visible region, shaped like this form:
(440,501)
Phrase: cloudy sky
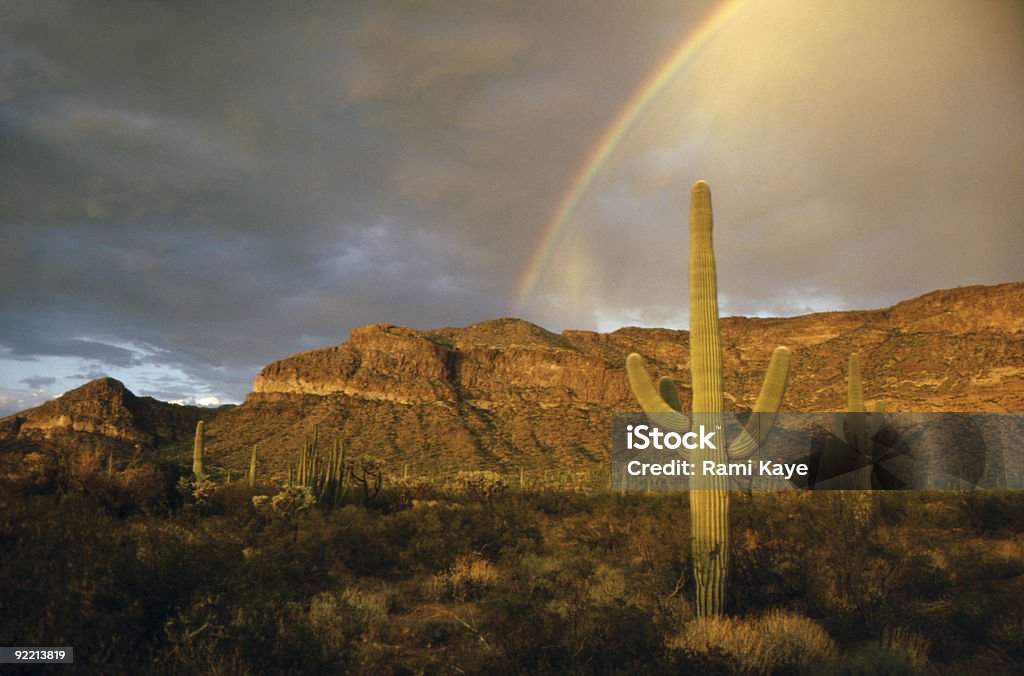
(191,190)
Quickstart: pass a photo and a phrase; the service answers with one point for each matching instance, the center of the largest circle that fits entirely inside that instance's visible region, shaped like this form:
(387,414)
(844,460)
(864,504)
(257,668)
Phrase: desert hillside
(504,393)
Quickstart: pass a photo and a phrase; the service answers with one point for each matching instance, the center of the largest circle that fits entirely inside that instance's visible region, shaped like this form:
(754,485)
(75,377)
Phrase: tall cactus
(197,449)
(709,495)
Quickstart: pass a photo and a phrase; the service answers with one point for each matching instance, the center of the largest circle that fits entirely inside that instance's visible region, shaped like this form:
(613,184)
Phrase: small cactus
(197,450)
(252,468)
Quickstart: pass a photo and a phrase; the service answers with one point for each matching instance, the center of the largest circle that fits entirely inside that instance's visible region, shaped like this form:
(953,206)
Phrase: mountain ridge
(505,392)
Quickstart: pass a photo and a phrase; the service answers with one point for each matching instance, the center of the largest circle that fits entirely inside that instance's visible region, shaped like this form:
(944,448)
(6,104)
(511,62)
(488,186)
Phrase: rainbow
(612,137)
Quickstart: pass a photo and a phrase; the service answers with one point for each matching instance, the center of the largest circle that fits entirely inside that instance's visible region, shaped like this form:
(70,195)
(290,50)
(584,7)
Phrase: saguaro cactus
(857,427)
(709,495)
(197,450)
(855,457)
(252,468)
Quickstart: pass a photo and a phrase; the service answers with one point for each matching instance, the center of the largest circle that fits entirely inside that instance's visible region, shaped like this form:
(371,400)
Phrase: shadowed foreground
(482,577)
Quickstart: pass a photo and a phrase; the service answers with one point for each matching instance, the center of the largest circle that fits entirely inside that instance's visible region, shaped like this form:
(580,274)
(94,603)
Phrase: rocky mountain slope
(101,415)
(504,393)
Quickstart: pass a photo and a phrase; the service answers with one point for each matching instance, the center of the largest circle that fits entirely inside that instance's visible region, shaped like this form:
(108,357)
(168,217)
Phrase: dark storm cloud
(208,187)
(192,190)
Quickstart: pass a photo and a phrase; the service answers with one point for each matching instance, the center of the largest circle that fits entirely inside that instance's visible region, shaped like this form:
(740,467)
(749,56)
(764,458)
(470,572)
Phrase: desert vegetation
(142,574)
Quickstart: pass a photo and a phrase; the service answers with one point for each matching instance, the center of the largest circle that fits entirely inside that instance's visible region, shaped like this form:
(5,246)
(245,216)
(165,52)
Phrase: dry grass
(910,644)
(469,576)
(774,642)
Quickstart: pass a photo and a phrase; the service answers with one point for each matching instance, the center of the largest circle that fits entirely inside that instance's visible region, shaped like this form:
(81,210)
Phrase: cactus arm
(766,410)
(669,393)
(660,413)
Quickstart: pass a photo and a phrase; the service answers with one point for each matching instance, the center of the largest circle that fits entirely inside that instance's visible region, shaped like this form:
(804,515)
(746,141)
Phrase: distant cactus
(252,468)
(325,477)
(483,484)
(709,495)
(851,457)
(197,450)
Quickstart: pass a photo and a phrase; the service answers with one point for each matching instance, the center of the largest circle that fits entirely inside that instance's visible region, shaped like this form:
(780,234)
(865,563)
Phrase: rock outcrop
(505,392)
(101,415)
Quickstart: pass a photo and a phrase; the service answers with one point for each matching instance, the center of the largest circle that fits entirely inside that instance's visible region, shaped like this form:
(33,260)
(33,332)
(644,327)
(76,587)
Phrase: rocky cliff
(101,415)
(504,393)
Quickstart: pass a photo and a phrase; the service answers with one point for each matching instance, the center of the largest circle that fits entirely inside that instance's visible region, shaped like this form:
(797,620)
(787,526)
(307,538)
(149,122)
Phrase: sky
(190,190)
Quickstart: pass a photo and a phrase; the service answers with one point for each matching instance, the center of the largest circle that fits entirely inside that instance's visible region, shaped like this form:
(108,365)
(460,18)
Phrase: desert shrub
(145,487)
(976,560)
(729,645)
(209,636)
(347,625)
(561,503)
(565,615)
(794,643)
(291,500)
(233,500)
(893,507)
(773,536)
(468,578)
(33,473)
(909,643)
(196,491)
(1006,635)
(778,642)
(993,512)
(875,659)
(602,532)
(432,538)
(141,486)
(480,485)
(77,575)
(402,493)
(363,540)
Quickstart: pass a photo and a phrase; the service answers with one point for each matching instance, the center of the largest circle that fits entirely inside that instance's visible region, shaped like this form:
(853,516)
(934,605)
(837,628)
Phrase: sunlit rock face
(506,392)
(102,414)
